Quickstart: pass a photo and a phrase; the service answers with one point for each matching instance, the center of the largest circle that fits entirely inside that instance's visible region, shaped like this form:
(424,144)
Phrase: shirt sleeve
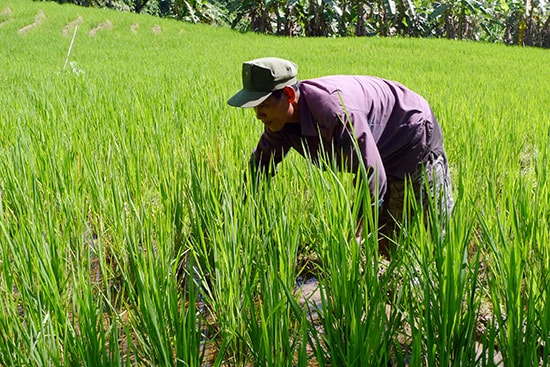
(270,151)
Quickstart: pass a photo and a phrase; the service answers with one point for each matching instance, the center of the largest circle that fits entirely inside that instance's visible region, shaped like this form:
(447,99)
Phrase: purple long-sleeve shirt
(393,128)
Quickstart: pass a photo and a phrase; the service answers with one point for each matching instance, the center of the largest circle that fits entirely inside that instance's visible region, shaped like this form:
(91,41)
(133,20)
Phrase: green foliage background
(508,21)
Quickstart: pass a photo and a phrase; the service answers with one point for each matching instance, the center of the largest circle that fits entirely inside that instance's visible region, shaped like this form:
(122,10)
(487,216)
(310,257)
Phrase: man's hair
(278,93)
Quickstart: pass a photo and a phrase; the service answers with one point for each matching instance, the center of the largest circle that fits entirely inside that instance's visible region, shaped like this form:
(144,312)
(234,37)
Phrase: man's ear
(290,94)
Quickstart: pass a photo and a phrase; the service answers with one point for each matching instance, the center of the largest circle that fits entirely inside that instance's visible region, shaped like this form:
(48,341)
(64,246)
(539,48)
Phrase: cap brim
(246,98)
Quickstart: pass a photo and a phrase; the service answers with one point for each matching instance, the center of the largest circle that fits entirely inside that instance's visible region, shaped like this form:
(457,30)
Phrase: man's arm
(270,151)
(374,168)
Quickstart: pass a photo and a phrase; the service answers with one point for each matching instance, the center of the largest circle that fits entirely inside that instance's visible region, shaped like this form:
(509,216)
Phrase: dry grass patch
(106,25)
(7,12)
(71,25)
(39,18)
(134,28)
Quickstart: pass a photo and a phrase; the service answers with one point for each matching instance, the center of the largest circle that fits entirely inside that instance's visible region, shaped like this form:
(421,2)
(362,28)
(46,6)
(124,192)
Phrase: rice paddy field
(125,238)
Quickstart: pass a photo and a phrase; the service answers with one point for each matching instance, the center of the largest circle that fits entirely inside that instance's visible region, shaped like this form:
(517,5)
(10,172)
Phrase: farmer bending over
(389,128)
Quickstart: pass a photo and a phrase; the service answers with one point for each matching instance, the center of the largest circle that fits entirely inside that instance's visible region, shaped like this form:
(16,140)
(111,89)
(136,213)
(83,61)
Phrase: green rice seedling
(442,286)
(166,325)
(94,334)
(540,271)
(224,254)
(519,268)
(273,334)
(246,255)
(38,273)
(355,327)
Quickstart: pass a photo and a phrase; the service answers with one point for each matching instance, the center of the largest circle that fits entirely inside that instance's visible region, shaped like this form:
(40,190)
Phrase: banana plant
(522,22)
(456,19)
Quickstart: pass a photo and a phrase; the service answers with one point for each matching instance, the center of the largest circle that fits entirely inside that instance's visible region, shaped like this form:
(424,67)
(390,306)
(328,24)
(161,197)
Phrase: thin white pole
(70,47)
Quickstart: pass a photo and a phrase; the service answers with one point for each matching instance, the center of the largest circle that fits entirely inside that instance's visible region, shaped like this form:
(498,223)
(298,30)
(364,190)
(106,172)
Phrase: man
(358,121)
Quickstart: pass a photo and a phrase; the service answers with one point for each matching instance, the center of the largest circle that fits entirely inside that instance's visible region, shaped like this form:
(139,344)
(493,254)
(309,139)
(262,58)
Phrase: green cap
(261,77)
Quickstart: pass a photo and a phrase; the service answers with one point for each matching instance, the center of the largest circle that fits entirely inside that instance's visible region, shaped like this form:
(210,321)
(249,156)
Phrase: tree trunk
(382,19)
(342,24)
(288,21)
(529,28)
(312,24)
(449,24)
(461,20)
(139,5)
(360,29)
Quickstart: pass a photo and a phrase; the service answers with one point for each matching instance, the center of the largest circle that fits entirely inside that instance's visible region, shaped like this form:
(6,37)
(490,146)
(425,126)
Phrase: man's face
(275,112)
